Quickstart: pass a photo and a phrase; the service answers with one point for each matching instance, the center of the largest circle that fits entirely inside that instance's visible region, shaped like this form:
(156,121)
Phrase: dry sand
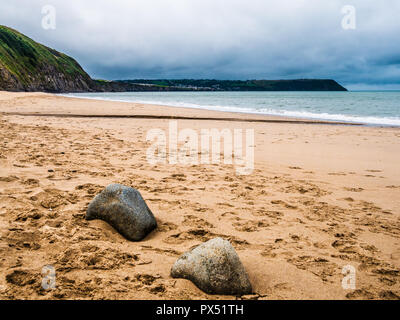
(320,197)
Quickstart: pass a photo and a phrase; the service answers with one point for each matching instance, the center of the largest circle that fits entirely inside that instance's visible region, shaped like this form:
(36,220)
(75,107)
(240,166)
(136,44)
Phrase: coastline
(247,115)
(285,114)
(117,109)
(169,111)
(320,197)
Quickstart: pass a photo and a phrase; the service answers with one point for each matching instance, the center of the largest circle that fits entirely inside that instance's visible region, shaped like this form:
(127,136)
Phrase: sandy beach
(320,197)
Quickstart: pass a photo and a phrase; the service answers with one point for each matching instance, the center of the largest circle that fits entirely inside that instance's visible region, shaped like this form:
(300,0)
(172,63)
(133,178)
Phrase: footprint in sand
(353,189)
(337,173)
(250,226)
(321,267)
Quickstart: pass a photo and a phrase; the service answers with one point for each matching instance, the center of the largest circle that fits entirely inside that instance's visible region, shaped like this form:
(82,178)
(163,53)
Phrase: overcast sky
(230,39)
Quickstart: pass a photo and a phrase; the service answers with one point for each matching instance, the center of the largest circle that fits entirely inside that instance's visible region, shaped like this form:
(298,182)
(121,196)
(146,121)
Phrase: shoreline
(201,114)
(248,113)
(117,109)
(295,121)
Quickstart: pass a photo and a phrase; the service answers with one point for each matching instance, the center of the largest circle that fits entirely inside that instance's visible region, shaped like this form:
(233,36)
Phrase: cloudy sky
(221,39)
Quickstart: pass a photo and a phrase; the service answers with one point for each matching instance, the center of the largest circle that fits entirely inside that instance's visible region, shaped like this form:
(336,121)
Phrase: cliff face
(26,65)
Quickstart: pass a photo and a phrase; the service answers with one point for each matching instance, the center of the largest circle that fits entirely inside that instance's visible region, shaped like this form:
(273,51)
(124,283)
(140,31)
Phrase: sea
(380,108)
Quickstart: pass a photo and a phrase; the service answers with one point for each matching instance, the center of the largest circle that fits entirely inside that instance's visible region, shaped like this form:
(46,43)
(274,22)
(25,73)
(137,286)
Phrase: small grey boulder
(214,267)
(124,209)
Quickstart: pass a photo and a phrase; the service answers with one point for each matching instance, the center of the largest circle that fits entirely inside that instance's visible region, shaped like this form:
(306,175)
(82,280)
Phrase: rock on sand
(124,209)
(214,267)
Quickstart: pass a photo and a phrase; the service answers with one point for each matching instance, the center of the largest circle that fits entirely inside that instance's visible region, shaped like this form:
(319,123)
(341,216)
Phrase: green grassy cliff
(26,65)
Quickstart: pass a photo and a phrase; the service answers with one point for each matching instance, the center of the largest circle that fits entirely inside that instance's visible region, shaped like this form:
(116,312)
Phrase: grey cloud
(234,39)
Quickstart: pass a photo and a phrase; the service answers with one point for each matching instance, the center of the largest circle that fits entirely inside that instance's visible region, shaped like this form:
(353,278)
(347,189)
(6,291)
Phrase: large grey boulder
(214,267)
(124,209)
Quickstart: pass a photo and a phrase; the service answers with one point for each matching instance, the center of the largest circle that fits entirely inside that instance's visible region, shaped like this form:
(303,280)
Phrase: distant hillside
(26,65)
(248,85)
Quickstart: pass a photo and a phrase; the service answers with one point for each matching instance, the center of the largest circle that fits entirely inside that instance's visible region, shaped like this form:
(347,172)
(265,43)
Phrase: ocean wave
(388,121)
(369,120)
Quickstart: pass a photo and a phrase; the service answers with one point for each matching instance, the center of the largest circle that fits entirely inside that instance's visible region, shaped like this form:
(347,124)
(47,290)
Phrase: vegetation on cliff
(26,65)
(247,85)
